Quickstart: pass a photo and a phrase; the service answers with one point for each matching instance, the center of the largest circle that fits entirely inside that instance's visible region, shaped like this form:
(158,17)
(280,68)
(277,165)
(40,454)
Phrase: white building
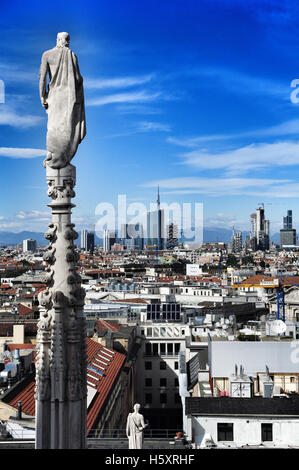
(29,245)
(243,422)
(158,365)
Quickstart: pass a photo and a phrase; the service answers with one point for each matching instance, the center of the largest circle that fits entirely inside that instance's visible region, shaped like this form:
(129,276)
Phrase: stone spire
(61,386)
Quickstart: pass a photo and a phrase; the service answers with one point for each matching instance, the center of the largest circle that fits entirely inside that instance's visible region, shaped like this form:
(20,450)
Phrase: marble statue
(63,100)
(135,427)
(61,372)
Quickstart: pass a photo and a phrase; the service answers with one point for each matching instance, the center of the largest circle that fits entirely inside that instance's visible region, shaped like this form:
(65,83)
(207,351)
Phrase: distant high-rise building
(288,221)
(155,227)
(260,234)
(172,235)
(288,233)
(29,245)
(87,240)
(109,238)
(131,236)
(237,242)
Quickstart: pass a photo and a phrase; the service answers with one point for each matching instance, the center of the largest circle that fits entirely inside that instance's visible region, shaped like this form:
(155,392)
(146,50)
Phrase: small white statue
(135,427)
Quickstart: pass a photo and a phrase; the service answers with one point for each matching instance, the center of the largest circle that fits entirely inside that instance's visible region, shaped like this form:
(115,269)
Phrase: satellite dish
(278,326)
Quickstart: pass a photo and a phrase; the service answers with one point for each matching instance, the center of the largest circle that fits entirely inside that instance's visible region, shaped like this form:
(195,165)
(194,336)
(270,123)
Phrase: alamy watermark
(2,92)
(293,97)
(185,220)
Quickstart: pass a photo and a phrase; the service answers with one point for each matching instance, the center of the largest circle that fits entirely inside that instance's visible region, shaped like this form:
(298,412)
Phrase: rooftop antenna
(158,199)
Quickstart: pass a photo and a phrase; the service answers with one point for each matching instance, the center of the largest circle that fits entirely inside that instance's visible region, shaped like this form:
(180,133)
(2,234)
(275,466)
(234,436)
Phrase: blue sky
(191,95)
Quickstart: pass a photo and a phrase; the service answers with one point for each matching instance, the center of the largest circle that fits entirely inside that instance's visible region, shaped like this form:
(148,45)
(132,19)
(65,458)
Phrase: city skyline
(165,106)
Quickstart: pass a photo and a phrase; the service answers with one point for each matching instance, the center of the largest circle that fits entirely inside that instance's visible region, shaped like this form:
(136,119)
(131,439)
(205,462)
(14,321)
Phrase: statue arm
(142,422)
(76,64)
(44,68)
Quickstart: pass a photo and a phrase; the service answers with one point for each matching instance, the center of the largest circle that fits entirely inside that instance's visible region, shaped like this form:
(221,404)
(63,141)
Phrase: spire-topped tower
(158,199)
(61,373)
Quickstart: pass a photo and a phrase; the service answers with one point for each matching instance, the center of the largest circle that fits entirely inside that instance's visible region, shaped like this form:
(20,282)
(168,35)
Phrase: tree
(232,261)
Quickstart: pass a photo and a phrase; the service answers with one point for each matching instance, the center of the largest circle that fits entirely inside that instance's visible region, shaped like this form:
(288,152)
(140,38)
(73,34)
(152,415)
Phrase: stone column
(61,387)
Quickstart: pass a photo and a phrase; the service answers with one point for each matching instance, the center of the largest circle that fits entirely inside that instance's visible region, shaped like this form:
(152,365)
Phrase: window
(176,365)
(162,349)
(163,398)
(148,349)
(148,382)
(292,380)
(162,365)
(169,349)
(225,431)
(148,398)
(176,382)
(148,365)
(267,432)
(155,349)
(163,382)
(177,348)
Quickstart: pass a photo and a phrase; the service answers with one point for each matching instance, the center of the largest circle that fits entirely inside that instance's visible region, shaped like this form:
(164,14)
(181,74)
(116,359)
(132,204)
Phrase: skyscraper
(288,234)
(29,245)
(155,227)
(260,233)
(172,235)
(109,239)
(87,240)
(132,236)
(237,242)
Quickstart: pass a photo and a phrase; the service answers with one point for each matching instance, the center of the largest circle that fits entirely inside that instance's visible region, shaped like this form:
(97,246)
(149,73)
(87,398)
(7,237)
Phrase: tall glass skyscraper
(156,228)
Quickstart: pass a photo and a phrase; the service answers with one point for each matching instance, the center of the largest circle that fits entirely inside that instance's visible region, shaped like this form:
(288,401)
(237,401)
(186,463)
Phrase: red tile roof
(14,346)
(107,365)
(25,393)
(23,310)
(130,301)
(102,383)
(104,325)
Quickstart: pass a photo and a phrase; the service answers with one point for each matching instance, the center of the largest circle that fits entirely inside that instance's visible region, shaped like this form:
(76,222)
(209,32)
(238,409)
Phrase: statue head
(136,407)
(63,40)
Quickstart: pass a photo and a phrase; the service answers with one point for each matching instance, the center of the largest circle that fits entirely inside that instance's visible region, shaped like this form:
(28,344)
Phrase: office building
(109,238)
(155,228)
(288,234)
(29,245)
(87,240)
(131,236)
(236,242)
(172,236)
(260,234)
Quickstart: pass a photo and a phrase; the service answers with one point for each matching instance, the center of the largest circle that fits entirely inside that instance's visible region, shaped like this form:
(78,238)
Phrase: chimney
(19,411)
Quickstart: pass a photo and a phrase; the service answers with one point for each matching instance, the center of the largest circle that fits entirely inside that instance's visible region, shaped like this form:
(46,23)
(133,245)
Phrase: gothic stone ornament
(61,386)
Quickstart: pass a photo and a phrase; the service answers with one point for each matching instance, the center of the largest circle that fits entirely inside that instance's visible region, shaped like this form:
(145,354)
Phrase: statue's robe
(65,99)
(134,430)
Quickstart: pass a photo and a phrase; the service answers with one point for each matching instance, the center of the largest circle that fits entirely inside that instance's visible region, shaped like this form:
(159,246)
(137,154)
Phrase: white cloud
(10,72)
(243,159)
(24,153)
(130,97)
(146,126)
(243,83)
(272,188)
(33,214)
(290,127)
(10,117)
(118,82)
